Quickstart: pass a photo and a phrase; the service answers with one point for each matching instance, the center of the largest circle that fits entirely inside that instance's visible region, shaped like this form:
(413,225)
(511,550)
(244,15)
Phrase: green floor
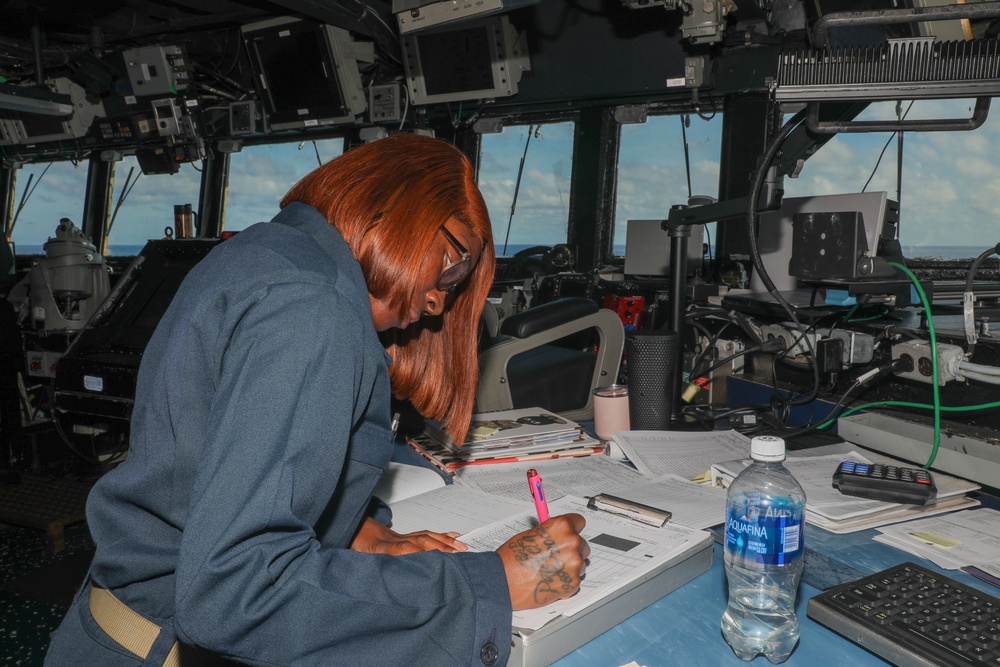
(27,621)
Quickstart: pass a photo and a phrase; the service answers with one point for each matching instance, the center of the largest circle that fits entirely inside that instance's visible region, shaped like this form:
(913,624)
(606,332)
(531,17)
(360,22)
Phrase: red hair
(389,199)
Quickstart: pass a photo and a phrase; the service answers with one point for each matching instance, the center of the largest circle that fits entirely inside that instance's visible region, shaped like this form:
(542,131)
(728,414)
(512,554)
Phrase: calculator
(889,483)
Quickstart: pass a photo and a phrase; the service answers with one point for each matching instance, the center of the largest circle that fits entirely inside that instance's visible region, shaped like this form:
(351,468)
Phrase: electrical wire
(981,377)
(884,148)
(758,263)
(979,368)
(861,381)
(909,404)
(969,296)
(936,390)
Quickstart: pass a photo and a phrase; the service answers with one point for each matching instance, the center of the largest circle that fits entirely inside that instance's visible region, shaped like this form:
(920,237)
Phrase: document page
(686,453)
(692,505)
(401,481)
(622,550)
(579,476)
(964,538)
(455,508)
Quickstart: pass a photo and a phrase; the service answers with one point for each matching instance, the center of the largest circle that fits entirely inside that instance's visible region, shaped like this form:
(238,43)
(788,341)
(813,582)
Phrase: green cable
(906,404)
(936,390)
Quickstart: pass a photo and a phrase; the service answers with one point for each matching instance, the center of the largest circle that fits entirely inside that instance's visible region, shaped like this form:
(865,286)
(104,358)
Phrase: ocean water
(938,252)
(114,250)
(132,250)
(943,251)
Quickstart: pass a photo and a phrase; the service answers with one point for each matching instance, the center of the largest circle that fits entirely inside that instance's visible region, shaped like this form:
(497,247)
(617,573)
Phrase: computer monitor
(478,60)
(647,249)
(305,72)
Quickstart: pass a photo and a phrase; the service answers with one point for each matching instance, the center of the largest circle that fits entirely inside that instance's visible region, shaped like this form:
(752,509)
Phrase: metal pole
(679,235)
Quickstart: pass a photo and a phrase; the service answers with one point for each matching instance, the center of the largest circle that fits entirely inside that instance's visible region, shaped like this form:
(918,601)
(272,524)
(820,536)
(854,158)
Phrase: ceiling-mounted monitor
(423,14)
(477,60)
(307,73)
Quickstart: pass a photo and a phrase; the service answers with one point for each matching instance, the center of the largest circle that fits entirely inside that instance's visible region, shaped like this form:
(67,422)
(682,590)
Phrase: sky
(951,180)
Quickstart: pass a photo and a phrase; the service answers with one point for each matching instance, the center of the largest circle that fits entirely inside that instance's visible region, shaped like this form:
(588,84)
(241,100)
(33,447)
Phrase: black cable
(708,347)
(758,263)
(760,347)
(894,366)
(884,148)
(976,263)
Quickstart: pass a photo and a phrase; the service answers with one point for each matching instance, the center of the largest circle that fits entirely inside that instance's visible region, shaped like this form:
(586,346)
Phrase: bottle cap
(767,448)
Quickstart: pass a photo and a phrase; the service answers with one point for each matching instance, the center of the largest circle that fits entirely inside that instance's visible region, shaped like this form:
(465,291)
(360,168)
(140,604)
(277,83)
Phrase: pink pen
(535,484)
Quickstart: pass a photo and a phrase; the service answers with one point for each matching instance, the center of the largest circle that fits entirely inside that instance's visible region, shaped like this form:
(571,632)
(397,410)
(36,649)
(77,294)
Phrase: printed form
(685,453)
(622,551)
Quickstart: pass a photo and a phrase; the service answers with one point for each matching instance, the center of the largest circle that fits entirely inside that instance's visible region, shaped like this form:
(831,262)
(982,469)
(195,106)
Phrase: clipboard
(631,510)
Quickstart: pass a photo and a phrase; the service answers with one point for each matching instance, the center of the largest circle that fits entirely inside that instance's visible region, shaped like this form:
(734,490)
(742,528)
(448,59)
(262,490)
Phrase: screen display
(298,76)
(456,61)
(38,125)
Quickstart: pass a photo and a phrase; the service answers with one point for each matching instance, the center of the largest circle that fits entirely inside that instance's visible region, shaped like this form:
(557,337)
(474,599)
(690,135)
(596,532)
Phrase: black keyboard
(909,615)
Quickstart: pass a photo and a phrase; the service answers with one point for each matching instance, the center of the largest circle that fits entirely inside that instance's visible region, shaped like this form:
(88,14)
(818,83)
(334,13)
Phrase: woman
(242,524)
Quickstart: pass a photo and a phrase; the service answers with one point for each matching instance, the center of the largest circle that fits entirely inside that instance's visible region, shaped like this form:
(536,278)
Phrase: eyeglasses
(454,272)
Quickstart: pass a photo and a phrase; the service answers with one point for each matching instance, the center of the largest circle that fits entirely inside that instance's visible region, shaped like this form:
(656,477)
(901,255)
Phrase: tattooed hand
(546,563)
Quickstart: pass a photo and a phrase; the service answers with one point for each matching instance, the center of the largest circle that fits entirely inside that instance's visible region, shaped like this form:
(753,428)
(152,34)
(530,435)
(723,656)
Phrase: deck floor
(36,583)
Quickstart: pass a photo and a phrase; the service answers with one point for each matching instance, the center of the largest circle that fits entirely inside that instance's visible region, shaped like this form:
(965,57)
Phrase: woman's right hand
(546,563)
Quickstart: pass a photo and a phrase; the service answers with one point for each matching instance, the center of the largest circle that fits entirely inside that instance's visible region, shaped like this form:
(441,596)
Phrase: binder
(558,637)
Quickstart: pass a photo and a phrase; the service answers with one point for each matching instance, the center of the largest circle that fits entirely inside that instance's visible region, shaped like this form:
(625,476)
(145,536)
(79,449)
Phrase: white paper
(689,454)
(814,470)
(692,505)
(454,508)
(977,533)
(578,476)
(622,551)
(401,481)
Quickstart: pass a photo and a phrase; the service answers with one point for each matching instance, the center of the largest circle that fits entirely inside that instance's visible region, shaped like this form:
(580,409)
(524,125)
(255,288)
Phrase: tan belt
(126,627)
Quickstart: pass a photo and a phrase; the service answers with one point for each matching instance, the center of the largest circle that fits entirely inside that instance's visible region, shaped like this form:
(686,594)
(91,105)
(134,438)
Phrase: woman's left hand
(375,538)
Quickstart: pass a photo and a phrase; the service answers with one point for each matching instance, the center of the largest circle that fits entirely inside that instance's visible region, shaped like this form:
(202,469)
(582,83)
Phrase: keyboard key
(909,610)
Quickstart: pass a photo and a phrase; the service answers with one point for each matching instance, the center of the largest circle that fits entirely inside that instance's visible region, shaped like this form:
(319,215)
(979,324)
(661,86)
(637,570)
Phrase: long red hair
(389,199)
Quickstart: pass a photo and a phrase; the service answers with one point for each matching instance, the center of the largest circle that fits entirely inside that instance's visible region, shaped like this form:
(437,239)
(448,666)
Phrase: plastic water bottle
(765,517)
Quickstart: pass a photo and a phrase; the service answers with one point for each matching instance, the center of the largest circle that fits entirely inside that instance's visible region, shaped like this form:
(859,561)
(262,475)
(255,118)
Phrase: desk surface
(683,627)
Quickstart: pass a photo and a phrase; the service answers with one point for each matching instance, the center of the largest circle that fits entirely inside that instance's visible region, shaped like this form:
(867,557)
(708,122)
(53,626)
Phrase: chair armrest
(554,313)
(493,392)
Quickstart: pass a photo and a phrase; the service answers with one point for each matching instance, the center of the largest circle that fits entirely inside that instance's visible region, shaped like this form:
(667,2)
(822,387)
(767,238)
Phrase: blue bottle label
(765,535)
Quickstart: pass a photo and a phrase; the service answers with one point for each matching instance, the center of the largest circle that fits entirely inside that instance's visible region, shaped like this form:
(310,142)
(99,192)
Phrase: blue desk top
(683,628)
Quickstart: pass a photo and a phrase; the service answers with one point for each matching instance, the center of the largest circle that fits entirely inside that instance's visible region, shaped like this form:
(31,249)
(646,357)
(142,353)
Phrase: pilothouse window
(259,176)
(654,167)
(148,206)
(48,192)
(950,180)
(529,203)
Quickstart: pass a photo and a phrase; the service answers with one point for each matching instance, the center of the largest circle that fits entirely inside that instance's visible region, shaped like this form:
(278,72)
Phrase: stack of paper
(527,434)
(967,540)
(631,564)
(831,510)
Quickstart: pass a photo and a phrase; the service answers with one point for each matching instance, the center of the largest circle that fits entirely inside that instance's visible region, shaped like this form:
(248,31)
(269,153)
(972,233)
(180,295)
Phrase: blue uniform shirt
(261,425)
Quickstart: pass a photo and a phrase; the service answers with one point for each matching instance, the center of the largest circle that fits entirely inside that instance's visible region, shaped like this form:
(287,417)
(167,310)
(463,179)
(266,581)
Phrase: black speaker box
(651,363)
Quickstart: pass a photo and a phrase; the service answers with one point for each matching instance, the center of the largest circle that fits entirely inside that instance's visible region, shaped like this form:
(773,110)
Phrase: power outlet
(796,342)
(919,351)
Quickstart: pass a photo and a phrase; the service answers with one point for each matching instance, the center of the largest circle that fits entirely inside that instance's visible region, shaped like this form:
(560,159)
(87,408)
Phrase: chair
(551,356)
